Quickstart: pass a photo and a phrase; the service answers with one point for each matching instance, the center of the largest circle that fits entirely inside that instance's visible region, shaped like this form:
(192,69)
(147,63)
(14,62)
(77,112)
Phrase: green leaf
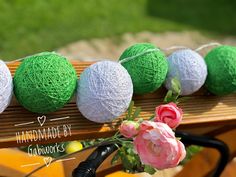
(173,94)
(126,162)
(194,149)
(140,120)
(152,117)
(130,110)
(136,113)
(175,85)
(168,96)
(118,147)
(190,152)
(115,158)
(129,150)
(149,169)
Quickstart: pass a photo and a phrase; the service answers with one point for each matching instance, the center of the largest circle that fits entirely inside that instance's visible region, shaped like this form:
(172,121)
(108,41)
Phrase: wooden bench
(204,114)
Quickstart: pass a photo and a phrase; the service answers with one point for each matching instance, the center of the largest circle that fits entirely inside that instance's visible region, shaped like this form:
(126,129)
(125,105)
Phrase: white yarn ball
(189,68)
(6,86)
(104,92)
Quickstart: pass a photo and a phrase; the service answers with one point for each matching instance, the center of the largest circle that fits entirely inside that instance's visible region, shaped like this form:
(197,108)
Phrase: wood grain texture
(203,113)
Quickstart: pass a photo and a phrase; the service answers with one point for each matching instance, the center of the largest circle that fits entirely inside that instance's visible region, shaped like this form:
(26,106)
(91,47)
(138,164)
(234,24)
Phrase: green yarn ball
(221,65)
(147,67)
(44,82)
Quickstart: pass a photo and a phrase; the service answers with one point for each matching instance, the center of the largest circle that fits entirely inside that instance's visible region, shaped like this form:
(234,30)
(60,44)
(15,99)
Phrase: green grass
(216,16)
(28,27)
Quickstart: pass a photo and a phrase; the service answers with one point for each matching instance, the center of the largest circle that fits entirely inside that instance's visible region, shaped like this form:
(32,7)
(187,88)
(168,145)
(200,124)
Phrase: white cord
(133,57)
(207,45)
(174,48)
(38,54)
(138,55)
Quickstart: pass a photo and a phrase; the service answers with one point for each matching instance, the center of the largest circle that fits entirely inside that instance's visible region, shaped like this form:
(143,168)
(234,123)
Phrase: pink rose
(129,129)
(169,114)
(157,146)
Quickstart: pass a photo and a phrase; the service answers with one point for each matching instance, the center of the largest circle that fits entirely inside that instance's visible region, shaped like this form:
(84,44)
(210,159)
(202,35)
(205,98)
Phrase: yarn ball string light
(189,68)
(221,79)
(104,92)
(147,69)
(6,86)
(44,82)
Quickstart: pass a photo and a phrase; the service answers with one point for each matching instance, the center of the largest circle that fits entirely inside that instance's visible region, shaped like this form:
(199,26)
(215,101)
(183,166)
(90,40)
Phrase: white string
(38,54)
(207,45)
(168,49)
(174,48)
(156,49)
(138,55)
(133,57)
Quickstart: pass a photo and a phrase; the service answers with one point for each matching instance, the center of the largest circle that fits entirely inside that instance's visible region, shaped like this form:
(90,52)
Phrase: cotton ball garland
(146,65)
(44,82)
(189,68)
(104,92)
(6,86)
(221,64)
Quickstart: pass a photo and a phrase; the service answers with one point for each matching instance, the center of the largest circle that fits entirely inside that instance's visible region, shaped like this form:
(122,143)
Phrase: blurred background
(96,29)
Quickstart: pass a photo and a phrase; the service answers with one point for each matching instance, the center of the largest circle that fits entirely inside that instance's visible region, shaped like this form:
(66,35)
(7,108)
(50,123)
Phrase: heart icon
(41,120)
(47,161)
